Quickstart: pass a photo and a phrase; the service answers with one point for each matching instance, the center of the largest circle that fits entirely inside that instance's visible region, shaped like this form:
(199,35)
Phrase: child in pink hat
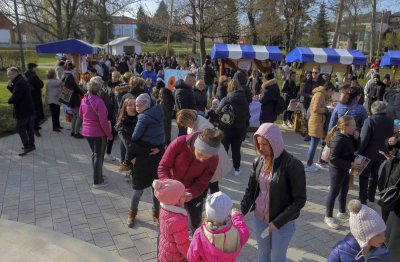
(174,237)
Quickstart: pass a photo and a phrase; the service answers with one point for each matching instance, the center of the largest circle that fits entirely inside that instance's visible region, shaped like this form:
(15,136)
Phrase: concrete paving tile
(103,239)
(123,241)
(144,246)
(130,254)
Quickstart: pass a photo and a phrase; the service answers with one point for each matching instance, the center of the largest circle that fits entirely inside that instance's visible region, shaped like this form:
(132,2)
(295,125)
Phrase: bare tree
(338,22)
(373,30)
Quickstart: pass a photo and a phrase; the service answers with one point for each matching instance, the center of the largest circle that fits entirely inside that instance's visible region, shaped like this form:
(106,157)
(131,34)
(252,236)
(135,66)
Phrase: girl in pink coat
(221,237)
(174,236)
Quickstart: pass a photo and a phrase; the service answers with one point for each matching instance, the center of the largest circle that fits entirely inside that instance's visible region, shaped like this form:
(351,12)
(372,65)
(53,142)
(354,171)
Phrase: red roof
(122,20)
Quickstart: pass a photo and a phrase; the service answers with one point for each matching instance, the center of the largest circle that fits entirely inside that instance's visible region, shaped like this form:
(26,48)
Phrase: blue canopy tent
(231,54)
(326,55)
(392,58)
(69,46)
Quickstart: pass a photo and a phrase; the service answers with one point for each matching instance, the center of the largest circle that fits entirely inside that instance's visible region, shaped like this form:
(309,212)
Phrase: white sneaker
(290,125)
(342,216)
(236,173)
(331,222)
(109,157)
(284,125)
(96,186)
(311,169)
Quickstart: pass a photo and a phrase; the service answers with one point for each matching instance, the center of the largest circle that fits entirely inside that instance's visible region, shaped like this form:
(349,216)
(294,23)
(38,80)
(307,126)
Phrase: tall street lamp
(108,43)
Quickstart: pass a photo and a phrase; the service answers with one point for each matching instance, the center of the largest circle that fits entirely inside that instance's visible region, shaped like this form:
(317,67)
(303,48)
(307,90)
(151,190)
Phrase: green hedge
(13,58)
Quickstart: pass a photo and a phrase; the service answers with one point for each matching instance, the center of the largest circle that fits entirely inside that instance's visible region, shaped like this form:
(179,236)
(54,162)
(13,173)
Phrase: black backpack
(227,115)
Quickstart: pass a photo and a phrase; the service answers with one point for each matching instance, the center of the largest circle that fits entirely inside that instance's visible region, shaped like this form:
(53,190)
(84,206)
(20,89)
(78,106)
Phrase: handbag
(326,153)
(390,195)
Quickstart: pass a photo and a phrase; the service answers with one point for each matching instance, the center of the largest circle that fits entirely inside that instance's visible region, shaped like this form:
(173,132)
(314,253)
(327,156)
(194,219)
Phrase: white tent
(124,45)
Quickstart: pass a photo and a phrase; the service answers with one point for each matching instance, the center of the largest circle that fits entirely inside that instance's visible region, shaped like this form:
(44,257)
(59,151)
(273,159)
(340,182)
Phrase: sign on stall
(173,75)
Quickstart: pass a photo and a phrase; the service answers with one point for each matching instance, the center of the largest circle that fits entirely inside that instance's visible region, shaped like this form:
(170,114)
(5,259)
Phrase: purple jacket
(94,113)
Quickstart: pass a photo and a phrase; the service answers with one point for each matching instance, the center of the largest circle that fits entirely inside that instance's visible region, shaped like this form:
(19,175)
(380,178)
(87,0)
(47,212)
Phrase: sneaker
(109,157)
(96,186)
(79,136)
(123,167)
(331,222)
(27,150)
(37,133)
(236,173)
(342,216)
(290,125)
(284,125)
(321,165)
(307,138)
(311,169)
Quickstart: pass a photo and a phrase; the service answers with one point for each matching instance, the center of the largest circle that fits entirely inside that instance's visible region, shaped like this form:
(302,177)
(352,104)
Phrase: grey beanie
(144,99)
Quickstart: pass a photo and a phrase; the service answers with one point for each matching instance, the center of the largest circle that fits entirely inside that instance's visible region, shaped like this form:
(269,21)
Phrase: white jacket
(224,164)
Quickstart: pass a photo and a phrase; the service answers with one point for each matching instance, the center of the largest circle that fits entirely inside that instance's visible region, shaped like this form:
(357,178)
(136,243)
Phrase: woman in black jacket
(269,98)
(343,141)
(276,192)
(235,133)
(289,91)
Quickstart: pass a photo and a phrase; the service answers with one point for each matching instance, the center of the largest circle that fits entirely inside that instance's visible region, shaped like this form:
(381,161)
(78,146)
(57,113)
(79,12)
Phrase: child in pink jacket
(174,236)
(221,237)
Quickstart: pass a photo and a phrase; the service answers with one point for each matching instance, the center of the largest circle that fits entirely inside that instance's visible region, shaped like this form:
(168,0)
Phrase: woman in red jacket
(192,159)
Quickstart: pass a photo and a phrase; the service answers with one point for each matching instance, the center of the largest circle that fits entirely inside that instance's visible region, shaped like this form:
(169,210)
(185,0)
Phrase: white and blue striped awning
(247,52)
(326,55)
(392,57)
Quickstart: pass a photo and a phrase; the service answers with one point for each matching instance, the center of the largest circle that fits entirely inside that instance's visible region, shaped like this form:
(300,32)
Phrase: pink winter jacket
(174,237)
(93,112)
(202,250)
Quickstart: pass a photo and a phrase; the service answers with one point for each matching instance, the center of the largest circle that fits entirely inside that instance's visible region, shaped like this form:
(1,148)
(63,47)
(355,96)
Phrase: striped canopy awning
(247,52)
(326,55)
(392,57)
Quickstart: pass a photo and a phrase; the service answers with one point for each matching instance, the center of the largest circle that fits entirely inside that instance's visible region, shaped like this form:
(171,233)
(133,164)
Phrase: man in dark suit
(21,98)
(36,90)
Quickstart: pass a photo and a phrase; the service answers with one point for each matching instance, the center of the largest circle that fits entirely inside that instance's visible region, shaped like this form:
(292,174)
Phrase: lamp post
(108,43)
(378,51)
(169,28)
(21,49)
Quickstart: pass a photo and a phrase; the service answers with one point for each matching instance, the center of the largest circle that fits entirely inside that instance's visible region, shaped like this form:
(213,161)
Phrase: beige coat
(317,113)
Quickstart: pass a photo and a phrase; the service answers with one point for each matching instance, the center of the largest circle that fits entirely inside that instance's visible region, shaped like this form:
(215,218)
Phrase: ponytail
(330,135)
(341,123)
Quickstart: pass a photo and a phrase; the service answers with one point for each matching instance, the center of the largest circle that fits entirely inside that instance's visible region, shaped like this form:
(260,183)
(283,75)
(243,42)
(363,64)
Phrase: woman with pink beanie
(174,236)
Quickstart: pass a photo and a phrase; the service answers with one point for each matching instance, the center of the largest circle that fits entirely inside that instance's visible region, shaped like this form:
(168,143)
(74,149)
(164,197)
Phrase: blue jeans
(273,248)
(311,150)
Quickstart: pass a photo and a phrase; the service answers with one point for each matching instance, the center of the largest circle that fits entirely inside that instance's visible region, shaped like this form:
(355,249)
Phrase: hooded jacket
(184,97)
(180,163)
(288,183)
(94,113)
(201,249)
(317,113)
(241,107)
(150,126)
(174,237)
(268,101)
(345,250)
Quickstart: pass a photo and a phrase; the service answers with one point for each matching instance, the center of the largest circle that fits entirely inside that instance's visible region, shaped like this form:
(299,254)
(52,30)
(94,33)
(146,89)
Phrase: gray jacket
(53,91)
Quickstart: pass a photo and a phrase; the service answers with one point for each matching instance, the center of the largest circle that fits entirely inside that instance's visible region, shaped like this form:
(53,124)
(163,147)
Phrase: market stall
(392,58)
(247,57)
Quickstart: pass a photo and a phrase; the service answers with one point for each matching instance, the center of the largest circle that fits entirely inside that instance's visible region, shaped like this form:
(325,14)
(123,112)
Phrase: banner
(173,75)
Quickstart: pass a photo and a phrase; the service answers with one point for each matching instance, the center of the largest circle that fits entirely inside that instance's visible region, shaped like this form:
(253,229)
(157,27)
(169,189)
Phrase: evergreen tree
(231,23)
(319,30)
(159,24)
(142,25)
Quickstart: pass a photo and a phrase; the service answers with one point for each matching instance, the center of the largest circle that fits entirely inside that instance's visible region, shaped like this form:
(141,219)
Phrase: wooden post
(394,72)
(303,67)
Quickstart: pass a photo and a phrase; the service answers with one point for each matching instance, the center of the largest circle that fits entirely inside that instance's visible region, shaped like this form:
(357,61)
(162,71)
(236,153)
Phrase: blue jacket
(380,254)
(152,74)
(345,250)
(150,127)
(357,111)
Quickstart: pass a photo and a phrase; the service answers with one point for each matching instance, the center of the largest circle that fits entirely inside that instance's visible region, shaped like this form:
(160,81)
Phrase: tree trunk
(287,34)
(250,17)
(201,33)
(339,16)
(373,30)
(59,20)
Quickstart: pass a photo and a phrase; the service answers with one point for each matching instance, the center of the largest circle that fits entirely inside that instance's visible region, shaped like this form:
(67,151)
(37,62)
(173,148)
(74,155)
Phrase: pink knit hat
(168,191)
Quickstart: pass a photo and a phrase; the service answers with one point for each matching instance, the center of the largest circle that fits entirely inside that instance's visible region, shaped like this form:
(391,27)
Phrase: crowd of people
(126,97)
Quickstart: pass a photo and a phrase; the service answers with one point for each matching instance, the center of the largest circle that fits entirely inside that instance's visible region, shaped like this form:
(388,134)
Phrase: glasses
(315,72)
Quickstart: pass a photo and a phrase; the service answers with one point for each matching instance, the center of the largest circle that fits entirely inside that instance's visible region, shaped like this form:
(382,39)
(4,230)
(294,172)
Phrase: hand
(154,151)
(110,138)
(9,83)
(356,134)
(133,161)
(356,166)
(392,141)
(235,211)
(188,197)
(272,228)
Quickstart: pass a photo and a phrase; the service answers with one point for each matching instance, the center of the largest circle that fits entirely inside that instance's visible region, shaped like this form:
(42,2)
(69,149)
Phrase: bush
(13,58)
(163,49)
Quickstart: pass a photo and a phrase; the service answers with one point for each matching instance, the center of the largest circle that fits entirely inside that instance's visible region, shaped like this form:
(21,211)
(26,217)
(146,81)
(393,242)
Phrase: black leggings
(288,115)
(339,186)
(195,211)
(233,138)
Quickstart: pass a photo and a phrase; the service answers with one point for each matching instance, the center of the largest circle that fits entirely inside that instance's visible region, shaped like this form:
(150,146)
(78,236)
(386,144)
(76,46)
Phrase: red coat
(174,236)
(180,163)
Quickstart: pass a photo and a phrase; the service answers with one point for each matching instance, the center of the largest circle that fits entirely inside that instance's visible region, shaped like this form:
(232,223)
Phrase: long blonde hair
(186,117)
(122,112)
(341,124)
(268,162)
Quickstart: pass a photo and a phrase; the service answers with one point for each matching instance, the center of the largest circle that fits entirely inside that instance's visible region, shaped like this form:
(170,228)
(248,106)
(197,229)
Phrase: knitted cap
(215,101)
(218,206)
(168,191)
(365,223)
(144,100)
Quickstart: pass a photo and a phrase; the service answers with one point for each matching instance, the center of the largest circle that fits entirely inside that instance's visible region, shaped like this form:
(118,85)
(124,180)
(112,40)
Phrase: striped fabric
(326,55)
(247,52)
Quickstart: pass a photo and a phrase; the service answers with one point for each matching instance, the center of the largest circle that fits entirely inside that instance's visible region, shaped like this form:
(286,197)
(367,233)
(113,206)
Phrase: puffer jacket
(180,163)
(174,237)
(345,250)
(202,250)
(268,101)
(150,126)
(241,107)
(317,113)
(184,97)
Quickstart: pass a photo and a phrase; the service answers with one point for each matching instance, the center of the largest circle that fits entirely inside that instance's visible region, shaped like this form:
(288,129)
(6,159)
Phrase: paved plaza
(51,188)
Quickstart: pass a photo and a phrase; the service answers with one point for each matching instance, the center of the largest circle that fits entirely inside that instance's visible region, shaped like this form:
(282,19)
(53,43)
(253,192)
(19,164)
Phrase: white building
(123,26)
(124,45)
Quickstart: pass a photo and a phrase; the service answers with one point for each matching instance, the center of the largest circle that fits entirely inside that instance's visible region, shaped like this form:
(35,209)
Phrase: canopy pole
(395,71)
(303,67)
